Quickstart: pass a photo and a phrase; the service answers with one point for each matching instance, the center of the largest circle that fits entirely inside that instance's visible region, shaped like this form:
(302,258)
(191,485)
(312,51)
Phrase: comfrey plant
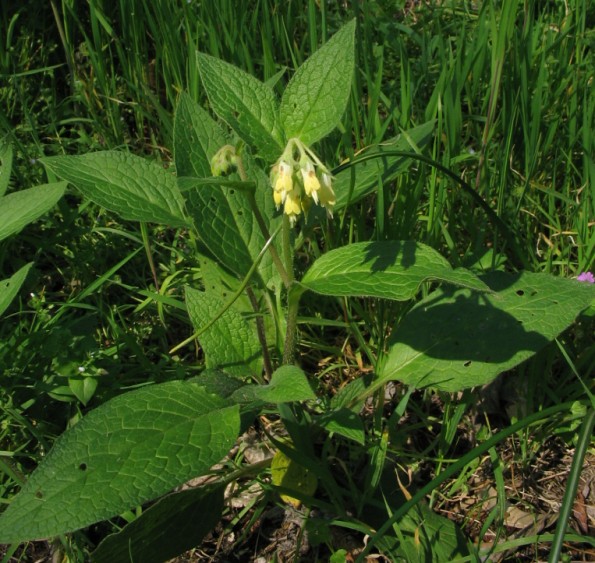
(244,189)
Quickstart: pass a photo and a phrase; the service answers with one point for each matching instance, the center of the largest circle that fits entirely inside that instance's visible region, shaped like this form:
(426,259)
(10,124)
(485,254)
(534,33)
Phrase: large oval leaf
(131,449)
(247,105)
(316,96)
(133,187)
(455,340)
(388,269)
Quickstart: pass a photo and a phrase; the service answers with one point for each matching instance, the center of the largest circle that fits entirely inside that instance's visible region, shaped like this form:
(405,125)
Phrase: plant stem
(287,254)
(293,298)
(262,225)
(289,351)
(260,330)
(285,270)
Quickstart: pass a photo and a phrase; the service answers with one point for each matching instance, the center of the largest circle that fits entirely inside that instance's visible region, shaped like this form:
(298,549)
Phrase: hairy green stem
(293,303)
(261,223)
(293,298)
(285,270)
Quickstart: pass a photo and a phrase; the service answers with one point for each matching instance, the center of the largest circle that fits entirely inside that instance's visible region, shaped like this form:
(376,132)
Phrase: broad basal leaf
(353,183)
(197,137)
(455,340)
(387,269)
(21,208)
(247,105)
(317,95)
(176,523)
(10,287)
(230,343)
(131,449)
(133,187)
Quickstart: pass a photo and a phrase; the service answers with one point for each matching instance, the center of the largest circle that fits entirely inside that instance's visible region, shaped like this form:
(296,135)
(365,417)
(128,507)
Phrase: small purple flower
(586,277)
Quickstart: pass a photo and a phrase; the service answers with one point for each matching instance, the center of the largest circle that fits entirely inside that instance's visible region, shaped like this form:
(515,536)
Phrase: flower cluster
(586,277)
(299,177)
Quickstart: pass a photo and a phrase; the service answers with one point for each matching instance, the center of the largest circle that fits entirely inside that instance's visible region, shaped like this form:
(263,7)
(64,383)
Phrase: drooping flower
(311,182)
(586,277)
(281,178)
(296,191)
(293,205)
(284,181)
(327,195)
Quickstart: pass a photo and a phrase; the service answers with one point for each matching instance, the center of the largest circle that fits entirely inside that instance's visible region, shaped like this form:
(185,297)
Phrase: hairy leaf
(317,95)
(455,340)
(230,343)
(133,187)
(288,383)
(129,450)
(197,137)
(247,105)
(221,212)
(388,269)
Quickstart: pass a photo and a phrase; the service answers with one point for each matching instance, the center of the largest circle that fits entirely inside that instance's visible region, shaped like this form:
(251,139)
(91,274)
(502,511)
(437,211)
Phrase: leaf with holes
(128,451)
(458,339)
